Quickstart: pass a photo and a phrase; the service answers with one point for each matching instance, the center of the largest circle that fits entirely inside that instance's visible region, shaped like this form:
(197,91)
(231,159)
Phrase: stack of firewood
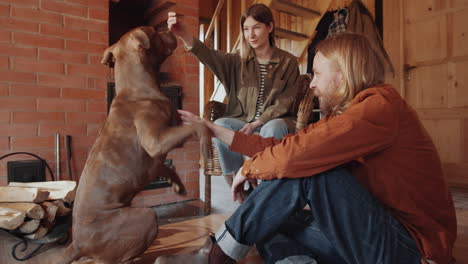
(31,209)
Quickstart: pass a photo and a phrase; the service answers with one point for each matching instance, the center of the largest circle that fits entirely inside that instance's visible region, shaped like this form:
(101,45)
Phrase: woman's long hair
(362,67)
(263,14)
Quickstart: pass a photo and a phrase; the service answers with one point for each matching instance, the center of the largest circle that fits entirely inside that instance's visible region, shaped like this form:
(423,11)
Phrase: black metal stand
(59,235)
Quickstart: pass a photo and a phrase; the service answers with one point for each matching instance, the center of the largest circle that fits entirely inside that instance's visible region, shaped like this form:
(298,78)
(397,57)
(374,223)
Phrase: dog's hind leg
(130,231)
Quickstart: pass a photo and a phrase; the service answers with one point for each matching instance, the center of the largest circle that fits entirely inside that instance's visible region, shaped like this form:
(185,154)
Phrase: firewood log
(30,226)
(20,194)
(38,234)
(32,210)
(11,218)
(63,210)
(58,190)
(51,211)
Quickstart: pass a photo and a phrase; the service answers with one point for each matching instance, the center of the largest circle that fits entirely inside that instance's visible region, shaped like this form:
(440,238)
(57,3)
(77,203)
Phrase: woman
(260,81)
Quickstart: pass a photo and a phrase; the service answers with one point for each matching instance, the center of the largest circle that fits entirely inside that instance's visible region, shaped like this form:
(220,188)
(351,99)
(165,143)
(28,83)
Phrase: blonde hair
(263,14)
(356,58)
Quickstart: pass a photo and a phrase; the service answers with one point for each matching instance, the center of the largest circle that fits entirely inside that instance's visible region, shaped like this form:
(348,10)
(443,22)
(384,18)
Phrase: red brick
(85,46)
(3,89)
(91,3)
(87,70)
(14,24)
(61,105)
(18,143)
(64,81)
(83,141)
(67,33)
(82,117)
(96,106)
(191,69)
(5,36)
(4,10)
(91,25)
(93,129)
(4,117)
(38,41)
(28,65)
(91,83)
(12,103)
(4,143)
(17,77)
(188,2)
(95,60)
(191,107)
(3,179)
(17,51)
(18,130)
(99,14)
(36,15)
(64,8)
(34,91)
(29,3)
(83,94)
(190,59)
(100,83)
(64,129)
(99,37)
(4,62)
(63,56)
(192,155)
(38,117)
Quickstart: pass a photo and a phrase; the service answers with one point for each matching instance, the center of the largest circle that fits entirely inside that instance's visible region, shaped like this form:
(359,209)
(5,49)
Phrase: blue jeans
(231,161)
(345,223)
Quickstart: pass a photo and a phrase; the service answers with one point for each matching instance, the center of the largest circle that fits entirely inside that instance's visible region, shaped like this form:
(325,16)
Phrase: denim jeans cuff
(229,245)
(302,259)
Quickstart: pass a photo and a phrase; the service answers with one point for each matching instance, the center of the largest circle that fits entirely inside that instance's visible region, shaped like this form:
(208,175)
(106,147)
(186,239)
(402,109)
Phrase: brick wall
(51,80)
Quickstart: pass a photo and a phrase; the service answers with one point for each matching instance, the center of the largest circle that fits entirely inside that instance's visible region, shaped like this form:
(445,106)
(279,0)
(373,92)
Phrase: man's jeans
(345,224)
(231,161)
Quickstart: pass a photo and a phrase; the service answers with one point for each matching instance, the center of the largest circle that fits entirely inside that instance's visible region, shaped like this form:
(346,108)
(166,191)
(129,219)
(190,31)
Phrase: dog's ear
(170,41)
(140,39)
(108,57)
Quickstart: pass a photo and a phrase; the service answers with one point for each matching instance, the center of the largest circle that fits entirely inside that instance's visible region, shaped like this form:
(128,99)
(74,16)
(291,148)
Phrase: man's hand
(237,188)
(249,128)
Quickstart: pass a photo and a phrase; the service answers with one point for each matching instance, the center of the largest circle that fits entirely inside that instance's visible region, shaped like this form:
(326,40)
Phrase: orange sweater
(393,156)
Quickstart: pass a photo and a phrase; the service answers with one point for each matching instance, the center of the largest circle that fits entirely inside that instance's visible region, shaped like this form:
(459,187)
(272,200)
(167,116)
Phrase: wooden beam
(293,9)
(288,34)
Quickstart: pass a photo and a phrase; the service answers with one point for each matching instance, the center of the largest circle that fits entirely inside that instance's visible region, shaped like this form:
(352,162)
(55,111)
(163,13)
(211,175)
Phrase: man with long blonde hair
(369,172)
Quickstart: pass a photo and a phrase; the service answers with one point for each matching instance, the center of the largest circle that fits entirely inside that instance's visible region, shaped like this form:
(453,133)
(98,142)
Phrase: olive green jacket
(280,87)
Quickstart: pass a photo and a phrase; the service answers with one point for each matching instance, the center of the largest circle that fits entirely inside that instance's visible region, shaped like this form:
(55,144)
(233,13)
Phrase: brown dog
(128,153)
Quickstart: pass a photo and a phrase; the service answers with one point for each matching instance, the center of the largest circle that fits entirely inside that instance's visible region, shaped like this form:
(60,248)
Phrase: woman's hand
(176,25)
(249,128)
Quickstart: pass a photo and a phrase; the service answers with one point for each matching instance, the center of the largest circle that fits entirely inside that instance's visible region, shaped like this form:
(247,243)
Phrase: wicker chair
(303,106)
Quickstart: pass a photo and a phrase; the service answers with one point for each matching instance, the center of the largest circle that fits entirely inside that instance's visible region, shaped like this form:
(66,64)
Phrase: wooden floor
(191,234)
(187,235)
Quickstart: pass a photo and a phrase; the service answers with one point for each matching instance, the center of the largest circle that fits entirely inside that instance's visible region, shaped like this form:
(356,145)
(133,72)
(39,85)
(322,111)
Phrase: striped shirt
(261,96)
